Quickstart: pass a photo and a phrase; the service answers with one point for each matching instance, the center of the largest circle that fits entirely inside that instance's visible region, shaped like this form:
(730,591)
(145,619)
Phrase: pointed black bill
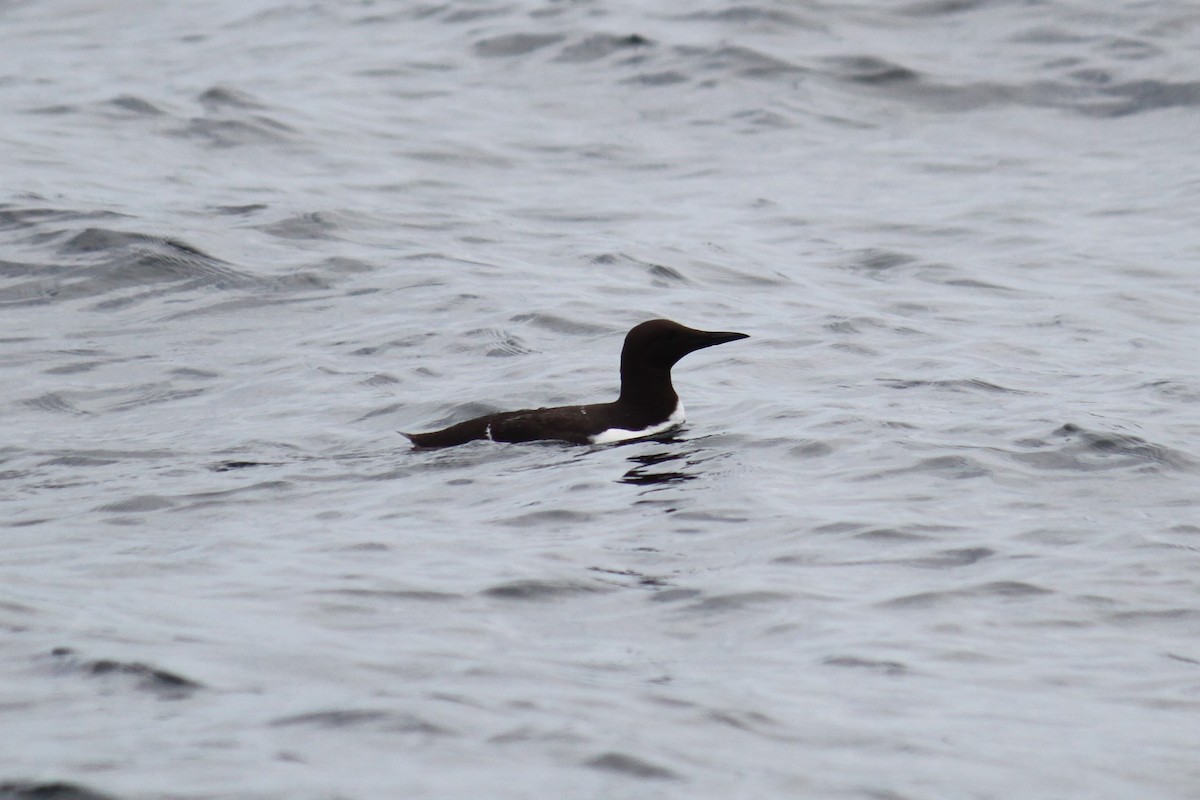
(704,339)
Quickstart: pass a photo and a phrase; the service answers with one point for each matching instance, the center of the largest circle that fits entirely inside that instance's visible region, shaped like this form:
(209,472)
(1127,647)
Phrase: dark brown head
(659,343)
(651,349)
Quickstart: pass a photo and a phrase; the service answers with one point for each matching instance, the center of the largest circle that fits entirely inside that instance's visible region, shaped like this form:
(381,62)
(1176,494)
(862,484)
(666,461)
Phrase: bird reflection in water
(646,472)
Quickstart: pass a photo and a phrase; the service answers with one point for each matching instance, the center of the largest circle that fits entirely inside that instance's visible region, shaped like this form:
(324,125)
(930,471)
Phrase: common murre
(647,405)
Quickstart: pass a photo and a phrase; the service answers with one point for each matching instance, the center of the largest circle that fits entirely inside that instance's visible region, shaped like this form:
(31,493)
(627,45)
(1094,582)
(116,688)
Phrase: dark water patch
(397,722)
(888,535)
(744,61)
(660,274)
(1169,616)
(758,15)
(1136,97)
(340,265)
(906,533)
(1005,590)
(874,261)
(55,110)
(557,324)
(809,448)
(735,601)
(664,78)
(241,211)
(17,217)
(473,14)
(72,369)
(53,402)
(255,129)
(951,467)
(950,559)
(269,488)
(630,766)
(1047,35)
(1127,49)
(554,517)
(944,559)
(868,70)
(500,343)
(167,685)
(542,590)
(643,477)
(641,579)
(959,385)
(1072,447)
(315,225)
(664,275)
(893,668)
(52,790)
(749,721)
(154,395)
(190,373)
(1087,92)
(230,466)
(972,283)
(28,523)
(383,411)
(220,98)
(759,118)
(73,460)
(131,105)
(254,303)
(599,46)
(99,458)
(139,504)
(18,269)
(109,260)
(646,472)
(1184,659)
(515,44)
(937,8)
(1175,391)
(95,240)
(675,595)
(420,595)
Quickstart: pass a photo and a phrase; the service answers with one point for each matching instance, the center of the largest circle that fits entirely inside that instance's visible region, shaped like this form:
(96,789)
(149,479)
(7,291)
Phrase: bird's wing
(567,424)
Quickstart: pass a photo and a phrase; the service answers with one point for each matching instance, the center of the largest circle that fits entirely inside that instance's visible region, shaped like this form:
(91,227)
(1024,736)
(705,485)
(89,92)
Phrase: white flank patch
(622,435)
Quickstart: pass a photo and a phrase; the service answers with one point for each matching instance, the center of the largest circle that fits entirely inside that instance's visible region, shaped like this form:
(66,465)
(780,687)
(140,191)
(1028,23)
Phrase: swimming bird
(647,405)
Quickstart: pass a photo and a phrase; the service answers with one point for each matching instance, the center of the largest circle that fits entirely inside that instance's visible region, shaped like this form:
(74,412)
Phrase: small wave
(542,590)
(960,385)
(872,665)
(165,684)
(1072,447)
(129,105)
(100,261)
(364,718)
(869,70)
(594,48)
(1007,590)
(254,129)
(515,44)
(631,766)
(770,18)
(48,790)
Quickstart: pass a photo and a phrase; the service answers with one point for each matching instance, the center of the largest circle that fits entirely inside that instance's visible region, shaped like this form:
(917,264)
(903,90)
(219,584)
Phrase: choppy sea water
(931,532)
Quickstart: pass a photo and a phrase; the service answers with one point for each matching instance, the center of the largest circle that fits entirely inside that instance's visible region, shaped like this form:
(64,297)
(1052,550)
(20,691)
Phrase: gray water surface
(931,532)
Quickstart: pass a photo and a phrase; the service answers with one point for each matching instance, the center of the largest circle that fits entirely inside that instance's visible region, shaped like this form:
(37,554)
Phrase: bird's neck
(648,389)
